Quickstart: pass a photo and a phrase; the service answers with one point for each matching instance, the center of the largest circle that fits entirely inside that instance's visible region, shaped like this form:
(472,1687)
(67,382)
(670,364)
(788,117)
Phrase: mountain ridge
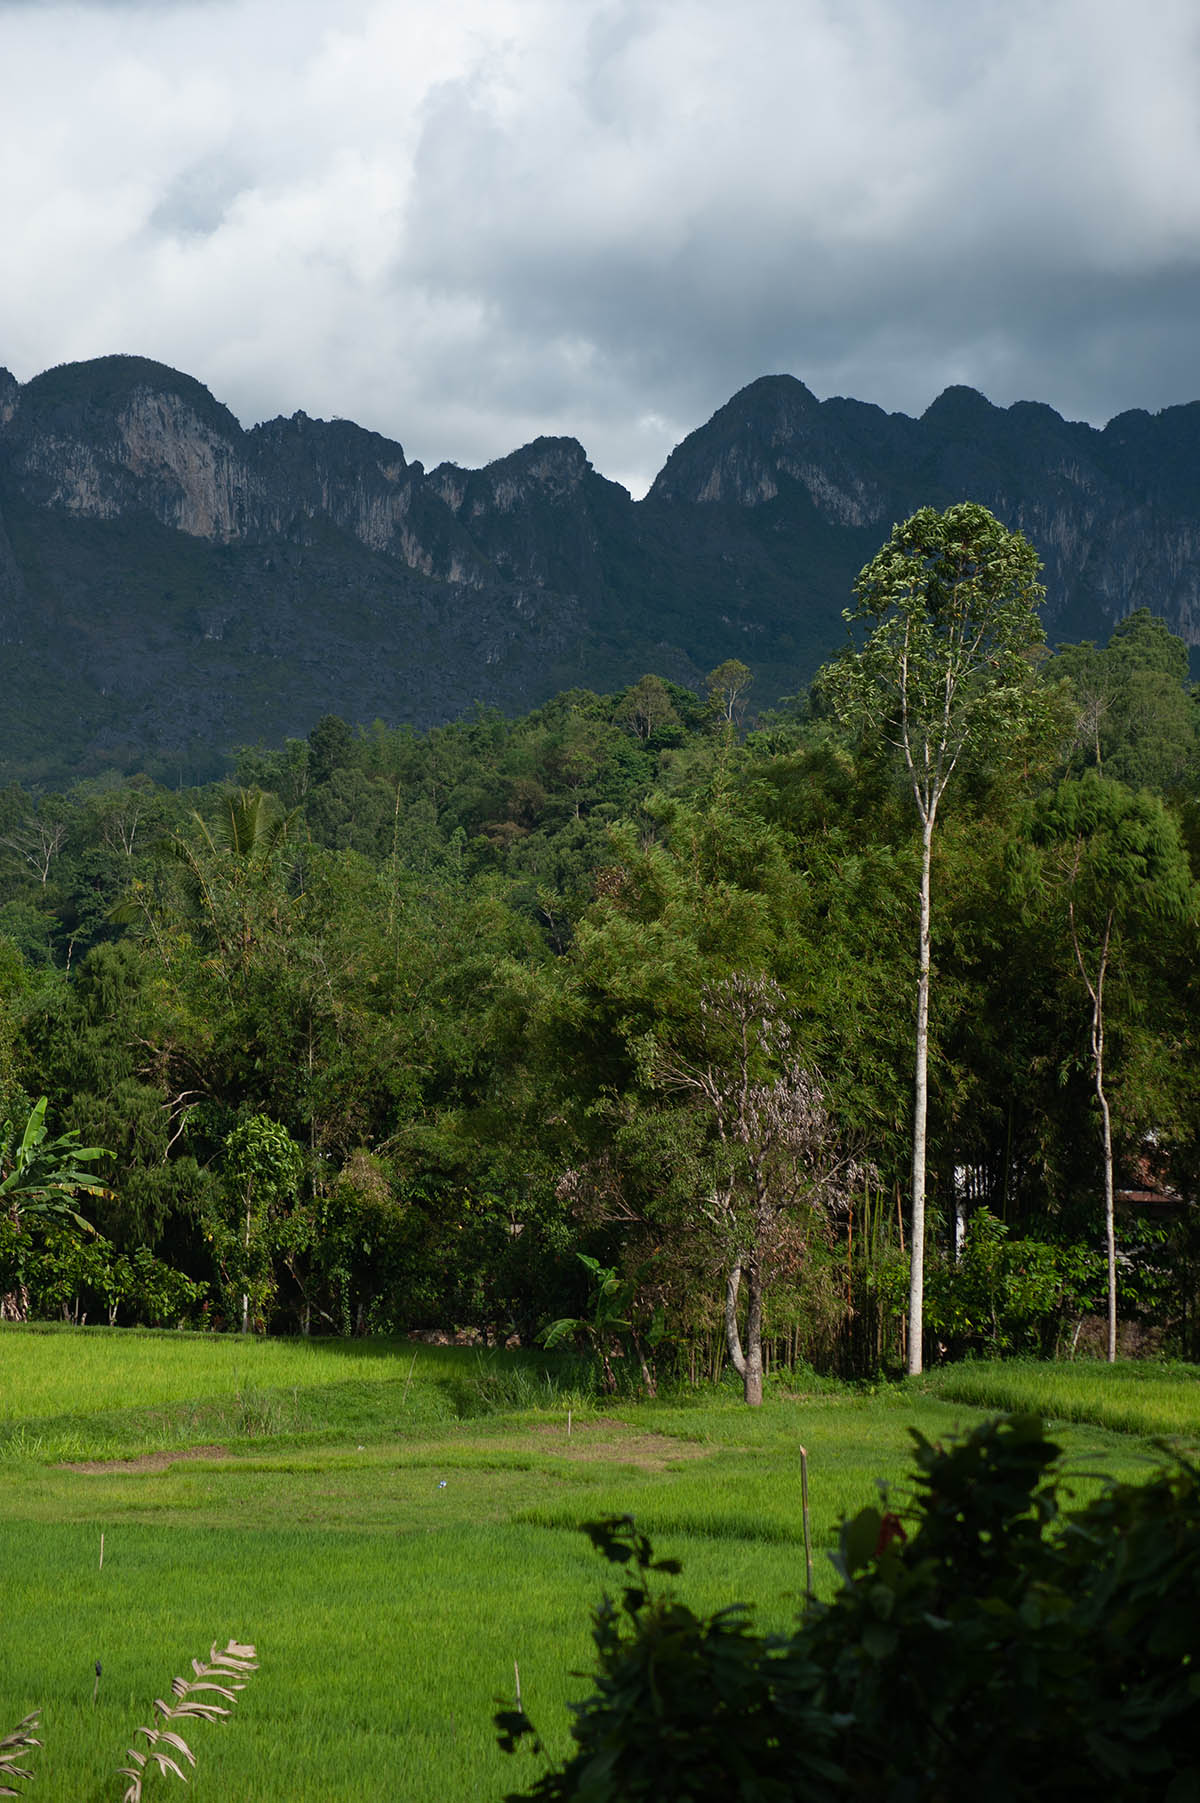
(171,579)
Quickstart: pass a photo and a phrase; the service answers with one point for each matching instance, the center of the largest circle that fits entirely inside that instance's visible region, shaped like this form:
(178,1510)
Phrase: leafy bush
(997,1647)
(64,1273)
(1010,1295)
(612,1330)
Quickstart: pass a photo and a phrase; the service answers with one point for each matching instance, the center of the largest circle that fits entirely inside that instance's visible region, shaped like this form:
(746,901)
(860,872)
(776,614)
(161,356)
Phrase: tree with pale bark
(778,1175)
(727,687)
(1117,860)
(947,671)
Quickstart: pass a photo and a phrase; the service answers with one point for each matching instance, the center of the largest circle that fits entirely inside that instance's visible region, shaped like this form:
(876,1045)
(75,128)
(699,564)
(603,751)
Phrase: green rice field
(393,1526)
(1160,1401)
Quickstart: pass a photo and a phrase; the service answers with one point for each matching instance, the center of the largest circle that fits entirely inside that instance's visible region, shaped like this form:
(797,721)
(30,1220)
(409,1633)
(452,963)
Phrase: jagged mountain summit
(172,584)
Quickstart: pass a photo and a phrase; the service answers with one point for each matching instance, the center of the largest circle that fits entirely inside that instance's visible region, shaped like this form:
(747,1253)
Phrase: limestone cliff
(167,577)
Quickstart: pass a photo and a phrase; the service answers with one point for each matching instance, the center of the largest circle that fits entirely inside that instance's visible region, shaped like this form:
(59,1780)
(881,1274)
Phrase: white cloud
(465,223)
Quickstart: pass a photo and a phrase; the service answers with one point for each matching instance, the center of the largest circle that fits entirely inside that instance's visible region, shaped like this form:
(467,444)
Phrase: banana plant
(39,1177)
(611,1322)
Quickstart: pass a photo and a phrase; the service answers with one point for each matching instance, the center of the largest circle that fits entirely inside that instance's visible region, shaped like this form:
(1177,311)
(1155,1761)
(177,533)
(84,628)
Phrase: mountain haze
(171,583)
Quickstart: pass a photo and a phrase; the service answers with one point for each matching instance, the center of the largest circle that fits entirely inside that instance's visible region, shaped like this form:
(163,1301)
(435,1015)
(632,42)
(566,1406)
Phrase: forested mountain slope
(171,584)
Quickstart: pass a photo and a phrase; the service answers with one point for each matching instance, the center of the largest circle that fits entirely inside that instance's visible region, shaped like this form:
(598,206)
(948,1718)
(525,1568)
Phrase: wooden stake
(568,1424)
(517,1676)
(809,1589)
(102,1552)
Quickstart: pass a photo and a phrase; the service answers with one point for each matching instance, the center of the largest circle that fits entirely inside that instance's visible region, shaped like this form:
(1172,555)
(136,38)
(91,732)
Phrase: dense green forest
(563,1025)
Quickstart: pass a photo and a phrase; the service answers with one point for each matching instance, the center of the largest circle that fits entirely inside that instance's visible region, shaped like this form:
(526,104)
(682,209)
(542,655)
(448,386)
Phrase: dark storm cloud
(468,223)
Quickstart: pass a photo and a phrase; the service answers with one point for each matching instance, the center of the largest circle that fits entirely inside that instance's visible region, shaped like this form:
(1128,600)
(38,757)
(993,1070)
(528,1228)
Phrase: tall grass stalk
(14,1746)
(224,1675)
(193,1702)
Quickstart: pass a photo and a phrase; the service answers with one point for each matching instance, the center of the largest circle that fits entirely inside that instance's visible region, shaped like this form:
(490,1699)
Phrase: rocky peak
(960,409)
(334,443)
(548,469)
(732,457)
(82,397)
(100,438)
(773,435)
(1162,449)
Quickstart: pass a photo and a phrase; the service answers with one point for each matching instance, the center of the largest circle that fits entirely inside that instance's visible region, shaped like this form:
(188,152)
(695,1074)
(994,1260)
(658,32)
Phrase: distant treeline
(406,1030)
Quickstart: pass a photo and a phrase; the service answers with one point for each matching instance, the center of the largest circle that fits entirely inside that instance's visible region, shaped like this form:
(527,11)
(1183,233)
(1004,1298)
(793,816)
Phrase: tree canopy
(946,671)
(479,980)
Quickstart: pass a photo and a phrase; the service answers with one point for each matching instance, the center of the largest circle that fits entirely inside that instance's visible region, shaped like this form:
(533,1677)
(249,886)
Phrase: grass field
(391,1538)
(1161,1401)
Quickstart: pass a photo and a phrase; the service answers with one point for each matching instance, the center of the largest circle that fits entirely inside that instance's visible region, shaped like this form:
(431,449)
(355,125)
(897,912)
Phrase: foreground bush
(999,1647)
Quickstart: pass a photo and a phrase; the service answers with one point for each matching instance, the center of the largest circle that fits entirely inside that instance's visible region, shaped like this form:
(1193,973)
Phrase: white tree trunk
(747,1361)
(916,1282)
(1096,991)
(1110,1227)
(960,1214)
(737,1357)
(245,1294)
(1110,1230)
(752,1377)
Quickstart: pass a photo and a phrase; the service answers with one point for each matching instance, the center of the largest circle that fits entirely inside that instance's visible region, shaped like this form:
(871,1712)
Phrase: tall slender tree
(948,664)
(1120,865)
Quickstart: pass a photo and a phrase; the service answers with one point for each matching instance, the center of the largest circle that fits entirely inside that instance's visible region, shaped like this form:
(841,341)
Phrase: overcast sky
(467,222)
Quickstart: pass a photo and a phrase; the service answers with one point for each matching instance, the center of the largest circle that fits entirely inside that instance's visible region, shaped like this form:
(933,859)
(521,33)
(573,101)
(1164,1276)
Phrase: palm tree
(217,866)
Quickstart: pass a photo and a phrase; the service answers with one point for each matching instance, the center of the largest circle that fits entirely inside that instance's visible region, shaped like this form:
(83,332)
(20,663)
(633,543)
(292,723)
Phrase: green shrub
(69,1276)
(997,1647)
(1007,1295)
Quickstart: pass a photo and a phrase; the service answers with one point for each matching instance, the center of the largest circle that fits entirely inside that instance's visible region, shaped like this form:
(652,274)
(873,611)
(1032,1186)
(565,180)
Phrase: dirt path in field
(616,1442)
(148,1461)
(596,1440)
